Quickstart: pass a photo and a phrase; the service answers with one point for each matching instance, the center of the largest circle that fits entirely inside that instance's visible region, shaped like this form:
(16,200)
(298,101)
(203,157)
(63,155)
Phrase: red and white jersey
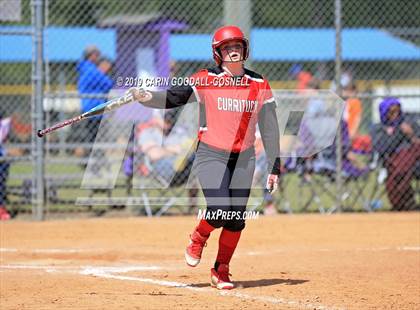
(229,107)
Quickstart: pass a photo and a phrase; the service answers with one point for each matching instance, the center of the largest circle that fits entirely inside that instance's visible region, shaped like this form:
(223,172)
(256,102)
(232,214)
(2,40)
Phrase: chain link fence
(94,50)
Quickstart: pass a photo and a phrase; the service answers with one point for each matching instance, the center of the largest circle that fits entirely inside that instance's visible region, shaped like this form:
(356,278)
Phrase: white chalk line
(268,299)
(108,272)
(112,269)
(55,268)
(52,251)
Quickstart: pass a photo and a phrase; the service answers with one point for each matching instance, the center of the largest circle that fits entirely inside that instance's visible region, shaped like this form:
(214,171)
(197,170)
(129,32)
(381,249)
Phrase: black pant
(226,180)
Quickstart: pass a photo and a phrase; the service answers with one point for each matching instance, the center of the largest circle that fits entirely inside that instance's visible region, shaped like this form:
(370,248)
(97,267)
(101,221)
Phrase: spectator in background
(105,66)
(165,156)
(316,131)
(353,109)
(302,77)
(4,168)
(396,139)
(93,80)
(353,113)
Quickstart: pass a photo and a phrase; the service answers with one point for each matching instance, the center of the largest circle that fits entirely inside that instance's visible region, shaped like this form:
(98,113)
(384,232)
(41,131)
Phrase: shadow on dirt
(258,283)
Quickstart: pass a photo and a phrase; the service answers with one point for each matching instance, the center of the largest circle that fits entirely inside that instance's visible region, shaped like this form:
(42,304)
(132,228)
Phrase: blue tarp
(61,44)
(365,44)
(304,45)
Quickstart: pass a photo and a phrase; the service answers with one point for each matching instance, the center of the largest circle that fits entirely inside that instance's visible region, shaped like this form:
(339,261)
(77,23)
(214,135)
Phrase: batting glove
(140,94)
(272,183)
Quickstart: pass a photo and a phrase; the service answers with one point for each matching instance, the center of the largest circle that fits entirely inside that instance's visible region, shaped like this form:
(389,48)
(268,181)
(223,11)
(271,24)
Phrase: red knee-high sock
(227,244)
(204,228)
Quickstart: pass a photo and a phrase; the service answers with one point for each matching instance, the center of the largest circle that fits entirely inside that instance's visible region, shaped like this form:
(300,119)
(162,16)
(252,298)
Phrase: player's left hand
(272,183)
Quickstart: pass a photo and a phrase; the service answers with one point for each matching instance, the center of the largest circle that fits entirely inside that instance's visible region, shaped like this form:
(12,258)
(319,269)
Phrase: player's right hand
(139,94)
(272,183)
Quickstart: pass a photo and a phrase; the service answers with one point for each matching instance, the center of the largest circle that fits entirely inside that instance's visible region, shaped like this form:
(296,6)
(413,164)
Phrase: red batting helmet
(225,34)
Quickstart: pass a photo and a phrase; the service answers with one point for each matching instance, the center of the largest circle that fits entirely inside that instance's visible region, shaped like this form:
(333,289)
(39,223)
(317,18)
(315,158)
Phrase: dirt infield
(350,261)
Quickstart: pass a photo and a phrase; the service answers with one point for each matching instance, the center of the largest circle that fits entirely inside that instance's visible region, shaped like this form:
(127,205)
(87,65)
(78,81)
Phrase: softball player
(225,156)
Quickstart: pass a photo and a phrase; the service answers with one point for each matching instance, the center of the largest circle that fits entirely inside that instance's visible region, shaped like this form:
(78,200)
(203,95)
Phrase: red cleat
(195,248)
(220,278)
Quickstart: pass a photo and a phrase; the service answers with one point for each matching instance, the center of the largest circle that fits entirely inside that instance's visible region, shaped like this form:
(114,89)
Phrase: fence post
(38,192)
(338,60)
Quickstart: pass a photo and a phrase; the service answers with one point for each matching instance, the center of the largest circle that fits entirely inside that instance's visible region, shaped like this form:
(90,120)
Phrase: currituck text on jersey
(236,105)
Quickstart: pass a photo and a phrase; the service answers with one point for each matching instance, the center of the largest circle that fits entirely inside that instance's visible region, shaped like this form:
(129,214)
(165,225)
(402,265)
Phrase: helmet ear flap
(246,49)
(217,55)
